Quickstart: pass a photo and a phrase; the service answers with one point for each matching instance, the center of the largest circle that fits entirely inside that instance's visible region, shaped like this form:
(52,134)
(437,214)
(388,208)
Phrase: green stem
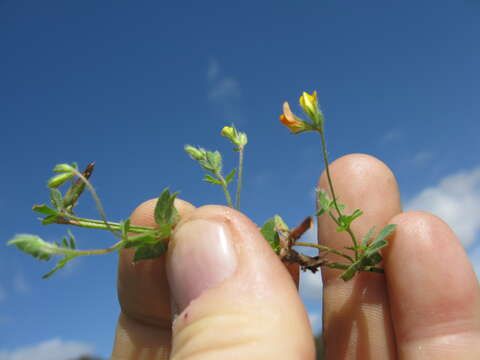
(345,267)
(325,248)
(330,184)
(65,251)
(101,211)
(239,177)
(99,224)
(224,187)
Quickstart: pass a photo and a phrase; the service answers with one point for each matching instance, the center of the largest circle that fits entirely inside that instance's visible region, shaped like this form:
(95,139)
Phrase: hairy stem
(239,177)
(325,248)
(225,188)
(101,211)
(330,184)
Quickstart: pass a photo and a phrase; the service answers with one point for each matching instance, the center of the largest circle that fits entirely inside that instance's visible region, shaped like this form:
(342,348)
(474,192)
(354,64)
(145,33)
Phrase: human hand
(236,300)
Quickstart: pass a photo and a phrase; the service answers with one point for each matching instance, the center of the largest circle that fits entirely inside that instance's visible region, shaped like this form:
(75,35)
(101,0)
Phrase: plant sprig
(152,242)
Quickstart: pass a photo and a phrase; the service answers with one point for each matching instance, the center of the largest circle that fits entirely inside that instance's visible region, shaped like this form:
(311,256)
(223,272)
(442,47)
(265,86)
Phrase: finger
(145,322)
(434,294)
(357,322)
(235,298)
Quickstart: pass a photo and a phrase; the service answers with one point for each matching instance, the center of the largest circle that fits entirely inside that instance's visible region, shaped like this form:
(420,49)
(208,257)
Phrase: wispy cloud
(54,349)
(422,158)
(391,135)
(20,284)
(224,92)
(456,199)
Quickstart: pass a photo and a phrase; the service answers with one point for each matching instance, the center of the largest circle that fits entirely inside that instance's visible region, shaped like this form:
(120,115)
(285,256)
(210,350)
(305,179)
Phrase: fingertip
(432,287)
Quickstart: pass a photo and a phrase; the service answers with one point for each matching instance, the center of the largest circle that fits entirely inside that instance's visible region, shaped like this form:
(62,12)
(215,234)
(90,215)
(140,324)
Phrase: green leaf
(214,159)
(324,200)
(375,247)
(61,263)
(44,209)
(386,231)
(150,251)
(350,272)
(230,176)
(280,225)
(56,198)
(367,237)
(34,245)
(211,179)
(165,212)
(270,234)
(71,240)
(125,227)
(49,219)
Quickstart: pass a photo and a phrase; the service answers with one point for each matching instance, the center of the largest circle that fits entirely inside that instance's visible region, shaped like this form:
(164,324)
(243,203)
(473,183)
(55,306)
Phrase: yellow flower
(309,104)
(293,123)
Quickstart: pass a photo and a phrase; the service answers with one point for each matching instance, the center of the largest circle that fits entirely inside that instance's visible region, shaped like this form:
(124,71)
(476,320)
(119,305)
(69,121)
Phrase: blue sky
(127,84)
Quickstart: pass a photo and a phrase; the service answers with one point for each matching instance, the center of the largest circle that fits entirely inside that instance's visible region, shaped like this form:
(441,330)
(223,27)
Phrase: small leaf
(270,234)
(375,247)
(34,245)
(71,240)
(44,209)
(61,263)
(280,225)
(230,176)
(125,227)
(49,219)
(324,200)
(65,243)
(211,179)
(165,212)
(150,251)
(56,198)
(367,237)
(387,230)
(350,272)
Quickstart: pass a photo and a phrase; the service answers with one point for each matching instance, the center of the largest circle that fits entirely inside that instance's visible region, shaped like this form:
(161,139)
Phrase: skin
(426,306)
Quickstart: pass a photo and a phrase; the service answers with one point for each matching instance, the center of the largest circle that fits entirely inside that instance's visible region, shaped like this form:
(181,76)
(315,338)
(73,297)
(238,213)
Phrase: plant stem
(101,211)
(239,177)
(64,251)
(224,187)
(99,224)
(325,248)
(345,267)
(330,184)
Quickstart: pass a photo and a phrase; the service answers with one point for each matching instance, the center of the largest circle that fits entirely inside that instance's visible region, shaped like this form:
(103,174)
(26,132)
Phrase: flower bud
(60,168)
(237,138)
(195,154)
(60,179)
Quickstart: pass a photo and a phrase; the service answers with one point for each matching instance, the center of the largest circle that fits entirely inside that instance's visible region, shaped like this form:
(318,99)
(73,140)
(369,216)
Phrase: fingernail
(201,258)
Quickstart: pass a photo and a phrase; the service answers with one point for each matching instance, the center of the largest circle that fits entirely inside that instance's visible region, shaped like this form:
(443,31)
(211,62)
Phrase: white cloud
(391,136)
(20,284)
(54,349)
(422,157)
(224,92)
(455,199)
(315,321)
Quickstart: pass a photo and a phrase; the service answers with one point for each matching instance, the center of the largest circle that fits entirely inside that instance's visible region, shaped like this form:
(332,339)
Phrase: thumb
(233,297)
